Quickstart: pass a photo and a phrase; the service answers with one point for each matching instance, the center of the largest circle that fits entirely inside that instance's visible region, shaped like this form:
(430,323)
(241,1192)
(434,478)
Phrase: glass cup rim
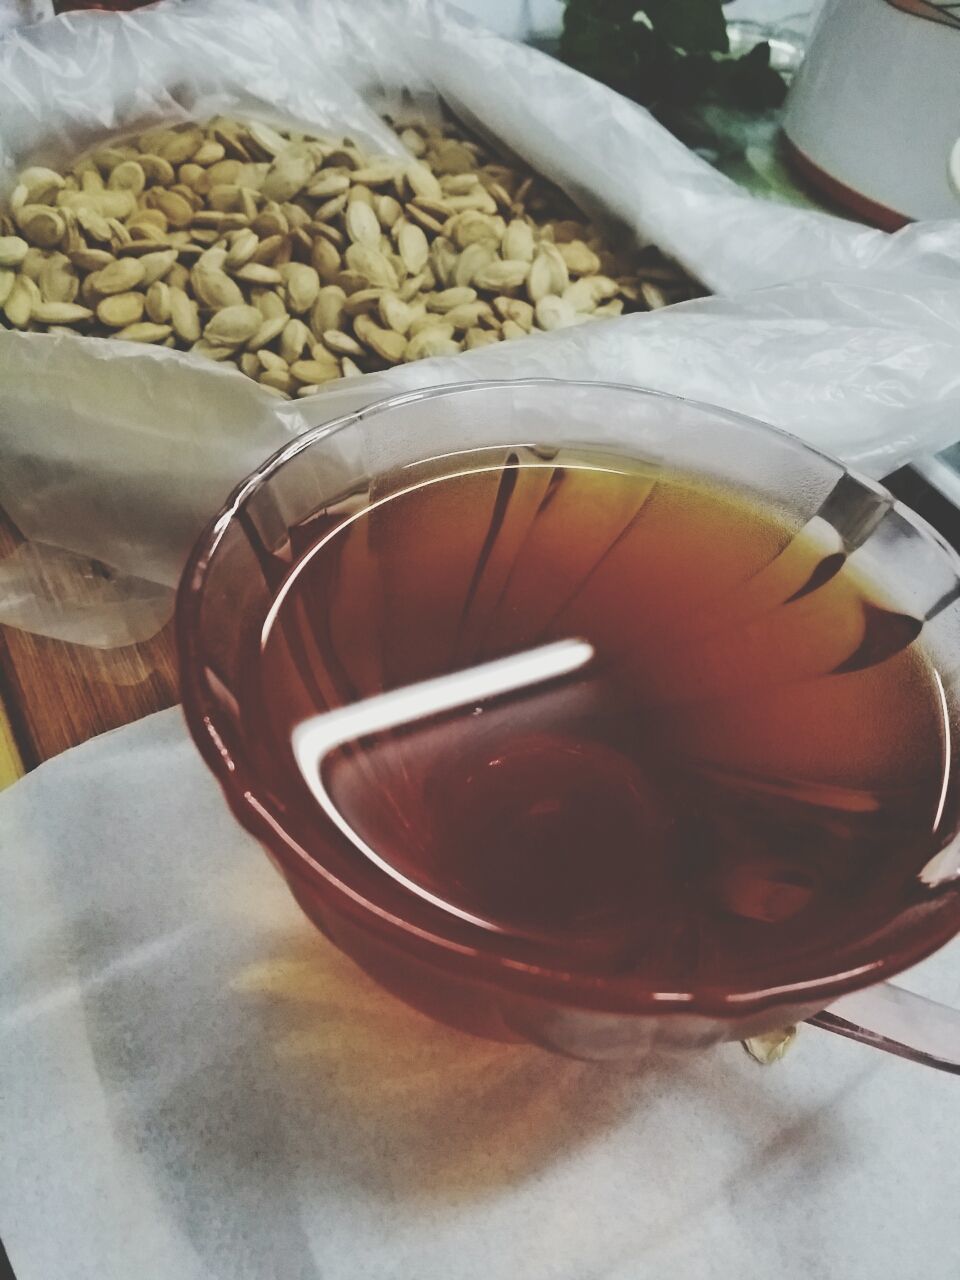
(254,813)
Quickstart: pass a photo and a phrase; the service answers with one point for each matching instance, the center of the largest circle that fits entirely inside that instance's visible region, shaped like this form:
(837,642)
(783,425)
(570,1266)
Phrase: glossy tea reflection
(749,773)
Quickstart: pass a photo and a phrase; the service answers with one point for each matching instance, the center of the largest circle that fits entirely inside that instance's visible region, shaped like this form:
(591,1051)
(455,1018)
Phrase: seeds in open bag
(188,222)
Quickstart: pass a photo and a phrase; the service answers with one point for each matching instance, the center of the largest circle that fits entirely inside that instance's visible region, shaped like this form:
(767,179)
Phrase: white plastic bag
(15,13)
(115,451)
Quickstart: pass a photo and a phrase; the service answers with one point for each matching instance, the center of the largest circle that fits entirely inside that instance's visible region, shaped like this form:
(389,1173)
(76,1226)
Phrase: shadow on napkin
(234,1098)
(312,1065)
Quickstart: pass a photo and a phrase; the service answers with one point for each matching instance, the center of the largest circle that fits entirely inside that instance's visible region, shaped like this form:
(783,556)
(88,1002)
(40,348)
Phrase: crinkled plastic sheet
(844,335)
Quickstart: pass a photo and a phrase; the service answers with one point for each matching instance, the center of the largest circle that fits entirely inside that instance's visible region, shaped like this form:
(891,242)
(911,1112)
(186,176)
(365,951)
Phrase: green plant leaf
(666,53)
(696,26)
(749,81)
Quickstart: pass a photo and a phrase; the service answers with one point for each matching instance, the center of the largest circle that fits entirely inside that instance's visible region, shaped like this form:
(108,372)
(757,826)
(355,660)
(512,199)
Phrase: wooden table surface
(55,695)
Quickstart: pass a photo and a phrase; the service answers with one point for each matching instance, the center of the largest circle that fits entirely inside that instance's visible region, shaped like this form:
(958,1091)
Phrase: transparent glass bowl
(465,976)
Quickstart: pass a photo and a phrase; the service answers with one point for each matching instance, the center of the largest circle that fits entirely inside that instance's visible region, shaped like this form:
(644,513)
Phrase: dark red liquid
(748,773)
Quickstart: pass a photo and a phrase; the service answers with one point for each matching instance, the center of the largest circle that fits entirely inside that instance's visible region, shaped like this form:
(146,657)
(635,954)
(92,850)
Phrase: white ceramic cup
(873,117)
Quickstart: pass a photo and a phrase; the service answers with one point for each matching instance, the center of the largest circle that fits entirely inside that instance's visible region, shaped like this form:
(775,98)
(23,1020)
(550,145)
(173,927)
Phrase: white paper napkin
(195,1084)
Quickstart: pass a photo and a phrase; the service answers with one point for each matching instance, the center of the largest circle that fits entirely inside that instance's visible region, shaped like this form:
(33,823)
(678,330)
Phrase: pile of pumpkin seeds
(301,259)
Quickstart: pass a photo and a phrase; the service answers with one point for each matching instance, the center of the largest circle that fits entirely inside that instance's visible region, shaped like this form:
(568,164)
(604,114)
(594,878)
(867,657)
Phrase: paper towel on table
(195,1084)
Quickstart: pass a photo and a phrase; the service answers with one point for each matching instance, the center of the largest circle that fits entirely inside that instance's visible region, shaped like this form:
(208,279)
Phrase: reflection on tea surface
(750,771)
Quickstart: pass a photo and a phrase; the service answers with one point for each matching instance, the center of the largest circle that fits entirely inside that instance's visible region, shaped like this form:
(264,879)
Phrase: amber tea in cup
(730,802)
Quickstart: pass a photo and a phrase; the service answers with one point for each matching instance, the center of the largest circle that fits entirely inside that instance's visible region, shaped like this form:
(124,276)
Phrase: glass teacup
(340,804)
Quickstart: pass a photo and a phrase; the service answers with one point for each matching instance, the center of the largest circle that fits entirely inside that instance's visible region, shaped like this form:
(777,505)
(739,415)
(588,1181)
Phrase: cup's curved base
(593,1035)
